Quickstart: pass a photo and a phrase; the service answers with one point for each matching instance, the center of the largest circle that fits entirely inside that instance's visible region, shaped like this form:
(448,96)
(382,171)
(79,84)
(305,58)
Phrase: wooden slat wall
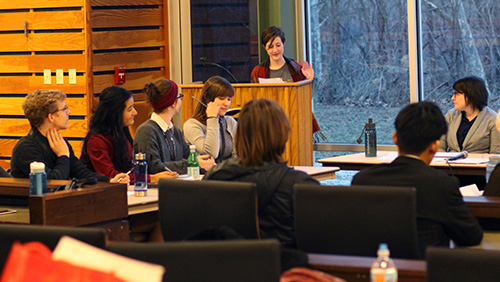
(55,39)
(130,34)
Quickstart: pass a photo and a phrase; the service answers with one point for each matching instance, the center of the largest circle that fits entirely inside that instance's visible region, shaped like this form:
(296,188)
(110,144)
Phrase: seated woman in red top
(108,145)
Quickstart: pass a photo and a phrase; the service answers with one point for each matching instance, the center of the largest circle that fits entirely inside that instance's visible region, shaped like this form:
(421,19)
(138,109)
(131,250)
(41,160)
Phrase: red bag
(302,274)
(32,262)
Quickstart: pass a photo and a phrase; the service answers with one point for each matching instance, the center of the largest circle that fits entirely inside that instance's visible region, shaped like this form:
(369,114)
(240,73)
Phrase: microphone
(462,155)
(205,63)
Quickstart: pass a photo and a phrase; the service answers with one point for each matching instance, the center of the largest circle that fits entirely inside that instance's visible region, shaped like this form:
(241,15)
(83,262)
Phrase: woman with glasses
(107,148)
(159,138)
(210,129)
(471,124)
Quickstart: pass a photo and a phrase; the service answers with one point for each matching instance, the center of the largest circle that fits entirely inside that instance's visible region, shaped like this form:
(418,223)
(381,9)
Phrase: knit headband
(167,99)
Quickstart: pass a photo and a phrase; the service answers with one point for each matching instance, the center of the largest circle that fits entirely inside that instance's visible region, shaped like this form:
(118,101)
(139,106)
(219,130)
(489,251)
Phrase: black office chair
(462,265)
(235,260)
(48,235)
(354,220)
(188,207)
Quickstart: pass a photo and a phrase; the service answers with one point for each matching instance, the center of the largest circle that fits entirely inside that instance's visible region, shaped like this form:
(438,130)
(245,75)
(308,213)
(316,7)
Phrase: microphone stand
(205,63)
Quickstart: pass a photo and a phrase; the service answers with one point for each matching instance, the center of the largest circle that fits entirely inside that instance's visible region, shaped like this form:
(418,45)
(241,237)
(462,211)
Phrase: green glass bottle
(193,167)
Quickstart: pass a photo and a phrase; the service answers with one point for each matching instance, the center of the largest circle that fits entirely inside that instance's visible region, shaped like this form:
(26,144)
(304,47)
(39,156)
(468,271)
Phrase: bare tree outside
(360,58)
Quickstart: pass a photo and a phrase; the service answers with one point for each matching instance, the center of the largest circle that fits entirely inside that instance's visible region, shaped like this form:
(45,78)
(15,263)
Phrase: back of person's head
(474,89)
(214,87)
(40,103)
(161,94)
(418,125)
(270,33)
(262,133)
(108,120)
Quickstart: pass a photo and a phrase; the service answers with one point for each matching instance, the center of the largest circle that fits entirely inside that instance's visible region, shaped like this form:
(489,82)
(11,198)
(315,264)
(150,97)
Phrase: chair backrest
(48,235)
(233,260)
(144,111)
(462,265)
(354,220)
(187,207)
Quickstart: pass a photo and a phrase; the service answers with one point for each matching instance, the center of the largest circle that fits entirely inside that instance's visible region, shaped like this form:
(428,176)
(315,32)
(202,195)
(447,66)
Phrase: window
(460,38)
(224,36)
(360,58)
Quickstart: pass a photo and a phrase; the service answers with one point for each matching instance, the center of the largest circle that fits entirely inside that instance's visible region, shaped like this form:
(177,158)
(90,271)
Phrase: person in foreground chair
(108,145)
(47,113)
(441,212)
(261,136)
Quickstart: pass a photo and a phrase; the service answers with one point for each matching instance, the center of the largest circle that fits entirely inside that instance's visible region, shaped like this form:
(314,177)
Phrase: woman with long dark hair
(210,129)
(108,145)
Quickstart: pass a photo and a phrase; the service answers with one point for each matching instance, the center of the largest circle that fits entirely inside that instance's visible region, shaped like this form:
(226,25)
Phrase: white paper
(271,80)
(81,254)
(470,190)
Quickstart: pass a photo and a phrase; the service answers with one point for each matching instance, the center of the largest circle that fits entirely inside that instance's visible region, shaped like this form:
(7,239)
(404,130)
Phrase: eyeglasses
(180,96)
(63,109)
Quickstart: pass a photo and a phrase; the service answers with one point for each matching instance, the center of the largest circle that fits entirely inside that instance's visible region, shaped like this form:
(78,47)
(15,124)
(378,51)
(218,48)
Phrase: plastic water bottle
(38,179)
(490,166)
(193,166)
(370,139)
(140,175)
(383,269)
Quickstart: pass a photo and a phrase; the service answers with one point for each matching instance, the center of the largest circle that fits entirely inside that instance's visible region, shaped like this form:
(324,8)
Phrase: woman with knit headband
(159,138)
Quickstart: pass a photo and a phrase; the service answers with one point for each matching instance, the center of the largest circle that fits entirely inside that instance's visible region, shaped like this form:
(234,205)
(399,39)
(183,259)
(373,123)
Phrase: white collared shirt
(161,122)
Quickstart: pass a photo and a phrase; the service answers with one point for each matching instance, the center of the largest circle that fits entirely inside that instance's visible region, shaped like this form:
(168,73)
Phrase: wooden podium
(294,98)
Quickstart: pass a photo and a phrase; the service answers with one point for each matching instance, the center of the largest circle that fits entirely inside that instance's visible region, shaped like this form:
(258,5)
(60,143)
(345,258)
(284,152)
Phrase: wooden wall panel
(37,63)
(13,106)
(42,20)
(126,18)
(135,81)
(56,41)
(21,127)
(127,39)
(125,2)
(18,4)
(26,84)
(130,60)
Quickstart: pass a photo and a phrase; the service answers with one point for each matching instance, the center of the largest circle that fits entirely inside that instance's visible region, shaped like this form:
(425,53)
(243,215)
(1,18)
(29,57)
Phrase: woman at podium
(209,128)
(283,68)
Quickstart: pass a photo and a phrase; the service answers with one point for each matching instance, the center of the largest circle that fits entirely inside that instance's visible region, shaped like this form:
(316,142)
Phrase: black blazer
(441,212)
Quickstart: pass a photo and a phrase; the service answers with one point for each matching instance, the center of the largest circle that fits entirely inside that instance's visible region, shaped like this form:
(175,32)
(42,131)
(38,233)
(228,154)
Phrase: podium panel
(294,98)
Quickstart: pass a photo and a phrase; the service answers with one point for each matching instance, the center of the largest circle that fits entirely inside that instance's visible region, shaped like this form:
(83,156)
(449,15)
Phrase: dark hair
(418,125)
(108,120)
(214,87)
(262,133)
(270,33)
(474,89)
(155,91)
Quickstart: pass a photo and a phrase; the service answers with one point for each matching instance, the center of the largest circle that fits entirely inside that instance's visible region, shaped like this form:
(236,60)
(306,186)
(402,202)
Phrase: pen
(166,168)
(199,101)
(128,172)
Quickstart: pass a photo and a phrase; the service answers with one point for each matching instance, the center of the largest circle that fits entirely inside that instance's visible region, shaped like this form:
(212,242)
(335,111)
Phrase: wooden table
(357,269)
(483,206)
(318,172)
(475,164)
